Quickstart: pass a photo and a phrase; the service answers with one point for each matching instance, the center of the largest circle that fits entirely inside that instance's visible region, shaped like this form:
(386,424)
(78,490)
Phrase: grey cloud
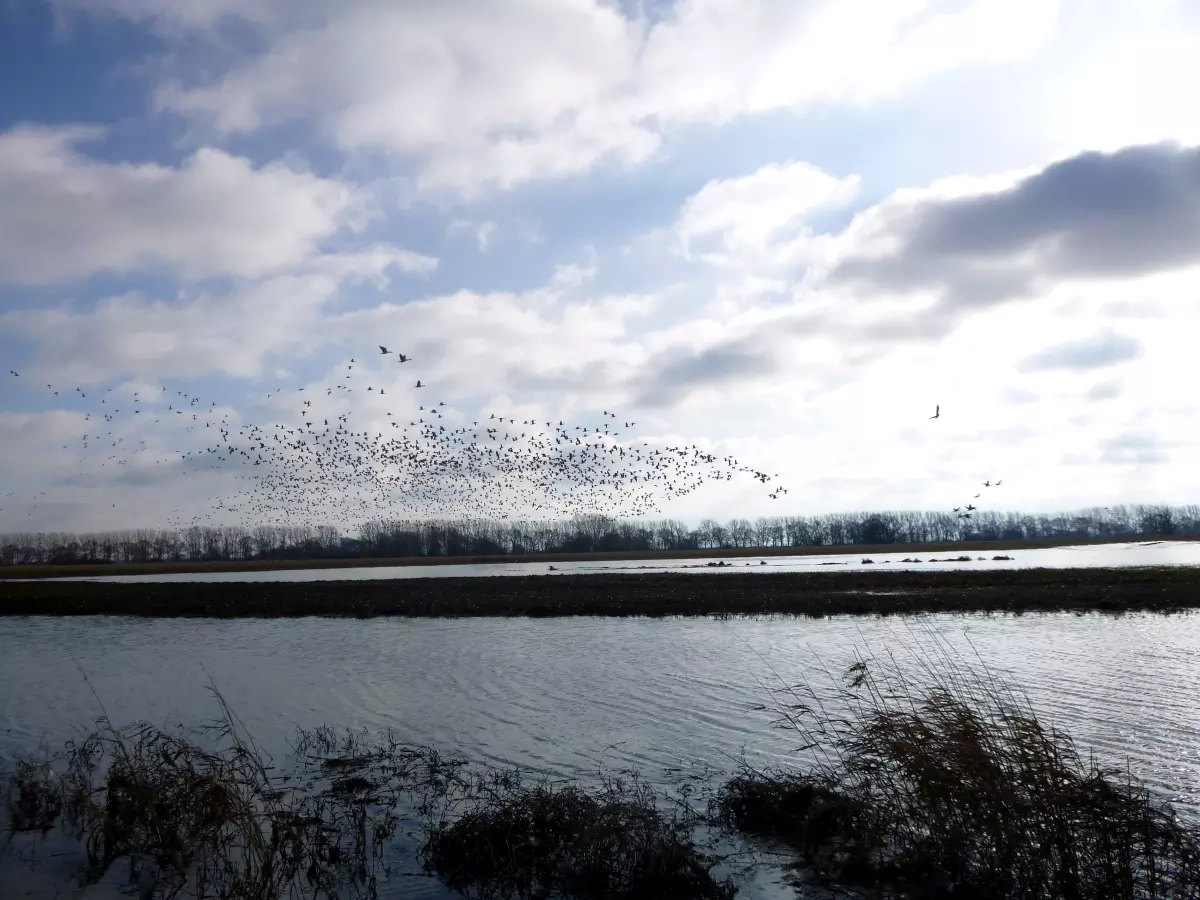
(673,376)
(1126,213)
(1105,349)
(1131,448)
(596,375)
(1108,390)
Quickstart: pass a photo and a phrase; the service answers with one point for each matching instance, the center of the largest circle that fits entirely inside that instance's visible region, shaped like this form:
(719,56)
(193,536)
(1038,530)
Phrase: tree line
(585,534)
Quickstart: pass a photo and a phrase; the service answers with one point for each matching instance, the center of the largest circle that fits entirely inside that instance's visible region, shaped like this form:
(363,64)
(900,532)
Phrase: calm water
(557,695)
(1156,553)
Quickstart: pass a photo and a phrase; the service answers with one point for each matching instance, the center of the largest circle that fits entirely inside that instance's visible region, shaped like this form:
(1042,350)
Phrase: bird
(937,412)
(383,350)
(987,483)
(419,383)
(402,357)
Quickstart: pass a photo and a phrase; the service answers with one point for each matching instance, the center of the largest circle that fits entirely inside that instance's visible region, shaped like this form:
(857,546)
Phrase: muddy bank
(791,593)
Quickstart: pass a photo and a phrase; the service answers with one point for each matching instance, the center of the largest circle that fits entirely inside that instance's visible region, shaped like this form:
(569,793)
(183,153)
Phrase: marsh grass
(34,799)
(932,776)
(206,814)
(548,839)
(943,780)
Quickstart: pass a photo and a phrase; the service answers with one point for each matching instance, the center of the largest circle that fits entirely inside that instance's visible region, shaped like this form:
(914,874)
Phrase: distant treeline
(587,534)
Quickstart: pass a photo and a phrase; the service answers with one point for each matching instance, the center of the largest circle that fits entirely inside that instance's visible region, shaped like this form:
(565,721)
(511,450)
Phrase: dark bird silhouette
(383,350)
(937,412)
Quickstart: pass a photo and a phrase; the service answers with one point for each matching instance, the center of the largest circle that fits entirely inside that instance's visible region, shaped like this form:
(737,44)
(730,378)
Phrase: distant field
(650,594)
(270,565)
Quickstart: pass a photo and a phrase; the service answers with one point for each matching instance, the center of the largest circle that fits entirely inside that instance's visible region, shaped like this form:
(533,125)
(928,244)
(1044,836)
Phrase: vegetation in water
(946,784)
(933,783)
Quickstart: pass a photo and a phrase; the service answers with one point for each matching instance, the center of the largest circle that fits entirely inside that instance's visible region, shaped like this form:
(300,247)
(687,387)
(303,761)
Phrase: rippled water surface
(1150,553)
(557,695)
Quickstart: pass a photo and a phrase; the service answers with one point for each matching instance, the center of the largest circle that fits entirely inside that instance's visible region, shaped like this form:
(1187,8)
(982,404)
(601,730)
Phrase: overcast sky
(781,229)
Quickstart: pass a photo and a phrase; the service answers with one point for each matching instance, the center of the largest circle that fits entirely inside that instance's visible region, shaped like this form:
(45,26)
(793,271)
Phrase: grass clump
(950,785)
(34,797)
(207,815)
(567,841)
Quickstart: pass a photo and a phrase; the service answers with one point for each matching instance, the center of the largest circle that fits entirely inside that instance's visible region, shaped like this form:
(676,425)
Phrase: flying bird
(937,413)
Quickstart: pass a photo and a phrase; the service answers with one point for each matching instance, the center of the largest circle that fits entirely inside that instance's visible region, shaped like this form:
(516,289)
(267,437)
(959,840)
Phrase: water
(565,696)
(1154,553)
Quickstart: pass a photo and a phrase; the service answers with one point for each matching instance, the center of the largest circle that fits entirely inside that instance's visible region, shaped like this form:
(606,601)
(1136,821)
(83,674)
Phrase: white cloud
(506,92)
(64,215)
(236,333)
(752,214)
(483,231)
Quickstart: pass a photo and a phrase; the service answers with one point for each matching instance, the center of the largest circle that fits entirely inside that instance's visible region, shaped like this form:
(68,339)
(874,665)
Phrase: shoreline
(83,570)
(1142,589)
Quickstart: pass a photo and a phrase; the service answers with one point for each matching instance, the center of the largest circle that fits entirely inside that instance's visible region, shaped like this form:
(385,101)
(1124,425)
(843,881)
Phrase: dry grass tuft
(949,782)
(34,797)
(562,840)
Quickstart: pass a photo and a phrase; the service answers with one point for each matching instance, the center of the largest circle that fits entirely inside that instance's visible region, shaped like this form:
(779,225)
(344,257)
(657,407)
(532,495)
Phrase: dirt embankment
(808,594)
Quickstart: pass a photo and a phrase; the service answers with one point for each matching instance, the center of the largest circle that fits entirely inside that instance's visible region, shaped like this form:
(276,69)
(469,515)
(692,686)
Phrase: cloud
(1133,448)
(1108,390)
(500,93)
(749,215)
(1105,349)
(483,231)
(199,333)
(64,215)
(1132,212)
(674,375)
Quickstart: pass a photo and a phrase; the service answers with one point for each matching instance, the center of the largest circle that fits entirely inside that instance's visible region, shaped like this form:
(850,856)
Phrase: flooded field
(569,697)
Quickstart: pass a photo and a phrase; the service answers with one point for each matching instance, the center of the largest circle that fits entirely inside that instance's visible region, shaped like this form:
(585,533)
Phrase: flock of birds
(314,464)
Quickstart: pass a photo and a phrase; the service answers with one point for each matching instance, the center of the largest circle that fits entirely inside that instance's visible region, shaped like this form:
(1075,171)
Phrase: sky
(785,230)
